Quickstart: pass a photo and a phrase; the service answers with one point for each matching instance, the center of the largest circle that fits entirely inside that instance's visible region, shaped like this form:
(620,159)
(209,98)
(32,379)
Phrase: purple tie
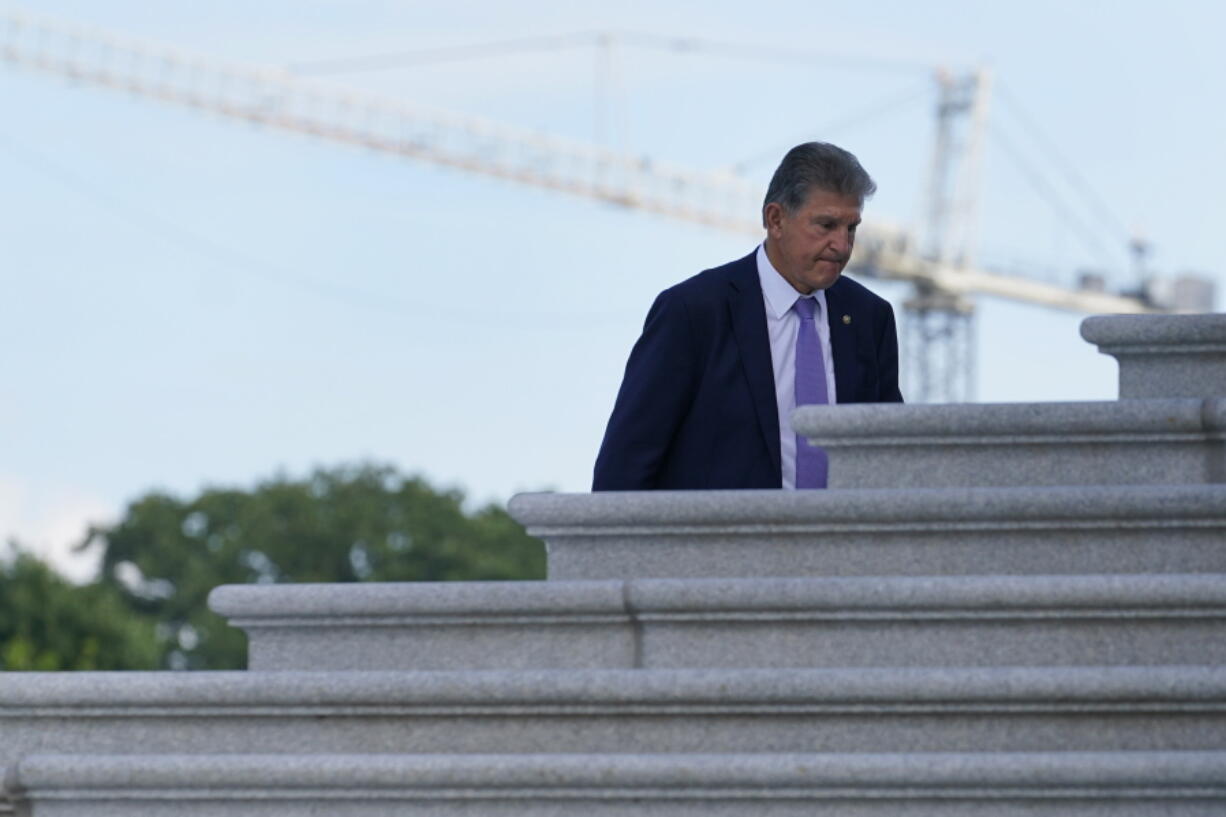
(811,461)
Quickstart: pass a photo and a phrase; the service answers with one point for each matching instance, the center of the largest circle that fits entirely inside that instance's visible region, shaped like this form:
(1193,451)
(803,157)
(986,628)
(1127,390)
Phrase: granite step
(1068,784)
(1167,428)
(1172,441)
(616,711)
(886,621)
(1046,530)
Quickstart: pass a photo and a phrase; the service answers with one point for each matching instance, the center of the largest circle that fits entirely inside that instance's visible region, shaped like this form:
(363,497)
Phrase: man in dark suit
(727,355)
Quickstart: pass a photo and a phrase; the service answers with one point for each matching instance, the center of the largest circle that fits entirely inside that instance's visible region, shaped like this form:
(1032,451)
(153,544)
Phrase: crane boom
(276,98)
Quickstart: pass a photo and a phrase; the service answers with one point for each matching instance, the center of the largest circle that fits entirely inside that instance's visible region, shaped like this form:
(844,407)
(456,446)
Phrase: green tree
(352,523)
(48,623)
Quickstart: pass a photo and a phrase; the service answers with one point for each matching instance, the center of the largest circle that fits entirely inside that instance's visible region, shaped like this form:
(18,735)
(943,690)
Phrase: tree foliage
(359,523)
(47,623)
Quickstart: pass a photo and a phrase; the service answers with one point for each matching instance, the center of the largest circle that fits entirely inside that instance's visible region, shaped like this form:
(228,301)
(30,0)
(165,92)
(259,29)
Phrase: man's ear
(772,215)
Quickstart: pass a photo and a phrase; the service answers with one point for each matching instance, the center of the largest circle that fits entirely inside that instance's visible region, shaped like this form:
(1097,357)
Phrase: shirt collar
(780,295)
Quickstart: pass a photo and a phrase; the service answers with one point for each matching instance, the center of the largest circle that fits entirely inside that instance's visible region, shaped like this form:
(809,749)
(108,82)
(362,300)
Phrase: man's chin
(824,279)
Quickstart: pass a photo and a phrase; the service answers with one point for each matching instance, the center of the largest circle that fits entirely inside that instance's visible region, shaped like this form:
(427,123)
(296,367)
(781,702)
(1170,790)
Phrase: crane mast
(939,322)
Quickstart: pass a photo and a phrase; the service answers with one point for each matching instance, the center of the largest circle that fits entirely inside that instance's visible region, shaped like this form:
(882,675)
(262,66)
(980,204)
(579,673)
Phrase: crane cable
(1072,178)
(869,112)
(677,45)
(1034,177)
(203,246)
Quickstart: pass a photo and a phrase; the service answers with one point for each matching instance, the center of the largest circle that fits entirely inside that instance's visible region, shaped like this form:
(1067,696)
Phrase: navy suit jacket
(697,410)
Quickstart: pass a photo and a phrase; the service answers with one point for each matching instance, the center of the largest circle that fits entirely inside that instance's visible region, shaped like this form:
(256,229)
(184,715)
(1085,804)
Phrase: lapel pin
(847,319)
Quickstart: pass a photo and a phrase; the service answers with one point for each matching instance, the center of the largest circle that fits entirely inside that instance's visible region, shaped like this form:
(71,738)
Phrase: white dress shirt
(782,324)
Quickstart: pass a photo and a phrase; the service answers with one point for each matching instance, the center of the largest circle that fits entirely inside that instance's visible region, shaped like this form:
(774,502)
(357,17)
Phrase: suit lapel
(842,343)
(748,313)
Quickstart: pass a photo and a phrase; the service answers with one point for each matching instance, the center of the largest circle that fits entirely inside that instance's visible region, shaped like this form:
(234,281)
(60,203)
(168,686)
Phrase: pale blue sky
(190,301)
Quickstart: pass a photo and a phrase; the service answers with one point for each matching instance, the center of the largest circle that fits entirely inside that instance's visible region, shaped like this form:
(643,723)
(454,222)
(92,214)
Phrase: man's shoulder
(714,282)
(853,291)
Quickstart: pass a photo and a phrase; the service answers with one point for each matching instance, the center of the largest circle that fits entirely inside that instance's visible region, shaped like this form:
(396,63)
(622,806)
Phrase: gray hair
(820,166)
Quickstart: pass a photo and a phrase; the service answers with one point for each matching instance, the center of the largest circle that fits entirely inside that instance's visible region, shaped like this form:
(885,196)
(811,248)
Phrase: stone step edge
(1160,508)
(535,693)
(1009,775)
(869,425)
(1110,596)
(1198,331)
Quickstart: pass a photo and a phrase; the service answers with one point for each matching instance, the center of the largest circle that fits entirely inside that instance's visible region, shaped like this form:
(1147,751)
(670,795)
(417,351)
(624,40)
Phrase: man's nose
(840,241)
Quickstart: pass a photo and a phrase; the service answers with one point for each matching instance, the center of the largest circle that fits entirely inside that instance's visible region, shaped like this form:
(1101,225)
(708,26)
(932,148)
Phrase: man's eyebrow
(835,217)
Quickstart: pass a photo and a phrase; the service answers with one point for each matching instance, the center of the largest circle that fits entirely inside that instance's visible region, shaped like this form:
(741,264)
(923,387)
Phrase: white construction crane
(944,277)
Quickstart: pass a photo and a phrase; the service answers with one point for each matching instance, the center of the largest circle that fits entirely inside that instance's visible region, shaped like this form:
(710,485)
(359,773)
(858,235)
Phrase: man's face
(811,246)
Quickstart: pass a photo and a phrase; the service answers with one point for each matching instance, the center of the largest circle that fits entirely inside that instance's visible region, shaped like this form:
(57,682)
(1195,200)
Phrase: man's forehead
(828,201)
